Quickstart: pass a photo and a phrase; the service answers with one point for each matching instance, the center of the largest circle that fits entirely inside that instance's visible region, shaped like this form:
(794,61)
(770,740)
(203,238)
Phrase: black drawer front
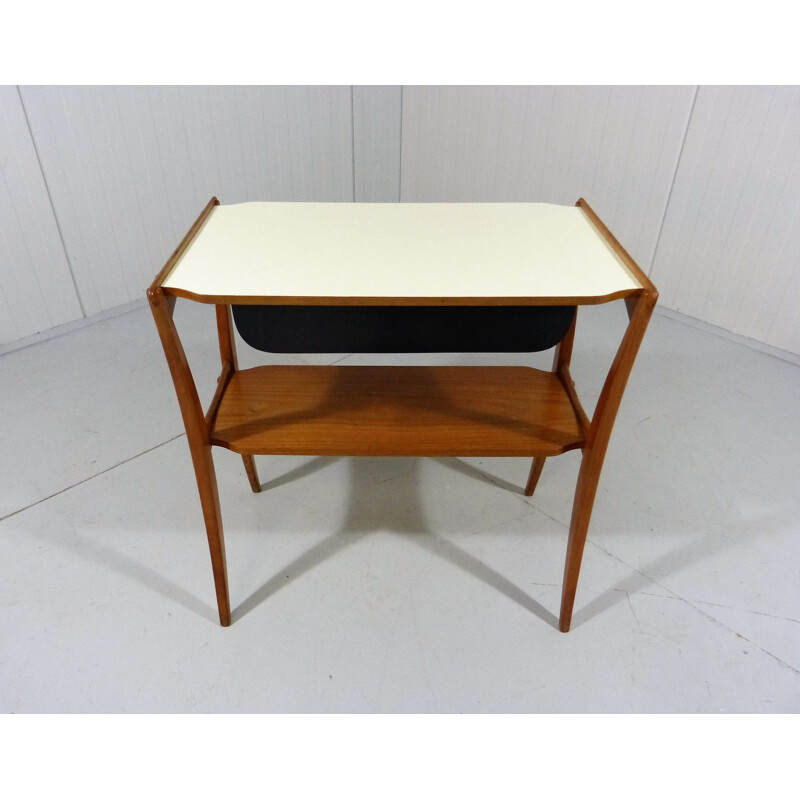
(402,329)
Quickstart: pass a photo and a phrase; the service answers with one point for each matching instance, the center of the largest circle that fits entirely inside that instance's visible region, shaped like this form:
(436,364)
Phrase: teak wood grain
(396,411)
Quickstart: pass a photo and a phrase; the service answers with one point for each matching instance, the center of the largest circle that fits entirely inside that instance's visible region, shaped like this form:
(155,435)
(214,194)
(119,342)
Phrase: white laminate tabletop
(400,250)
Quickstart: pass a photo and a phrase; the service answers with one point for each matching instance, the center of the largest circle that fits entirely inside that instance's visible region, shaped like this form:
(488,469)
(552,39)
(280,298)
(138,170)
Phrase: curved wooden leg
(209,500)
(252,473)
(585,491)
(595,450)
(162,307)
(533,477)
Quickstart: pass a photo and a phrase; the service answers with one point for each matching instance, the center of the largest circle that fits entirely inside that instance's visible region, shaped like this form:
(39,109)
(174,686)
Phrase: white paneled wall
(36,288)
(377,114)
(615,146)
(129,168)
(730,248)
(702,186)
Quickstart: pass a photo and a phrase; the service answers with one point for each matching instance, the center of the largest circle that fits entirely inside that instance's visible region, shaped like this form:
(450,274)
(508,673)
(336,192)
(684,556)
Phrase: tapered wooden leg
(252,473)
(209,501)
(533,477)
(588,478)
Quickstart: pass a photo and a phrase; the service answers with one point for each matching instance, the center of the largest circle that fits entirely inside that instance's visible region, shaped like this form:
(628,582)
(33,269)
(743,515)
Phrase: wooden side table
(502,257)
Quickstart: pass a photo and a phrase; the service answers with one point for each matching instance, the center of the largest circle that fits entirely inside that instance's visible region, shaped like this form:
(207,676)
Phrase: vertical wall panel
(129,168)
(36,288)
(729,252)
(615,146)
(377,114)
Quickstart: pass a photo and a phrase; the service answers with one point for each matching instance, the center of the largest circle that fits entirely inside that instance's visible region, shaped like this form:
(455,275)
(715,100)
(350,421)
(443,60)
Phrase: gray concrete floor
(398,585)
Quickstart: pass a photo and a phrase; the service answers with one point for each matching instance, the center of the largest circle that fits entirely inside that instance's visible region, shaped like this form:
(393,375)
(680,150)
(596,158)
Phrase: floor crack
(699,610)
(91,477)
(748,611)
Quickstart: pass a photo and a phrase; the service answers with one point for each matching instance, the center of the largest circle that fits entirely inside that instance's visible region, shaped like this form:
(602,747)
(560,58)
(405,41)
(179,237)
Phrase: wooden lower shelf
(396,411)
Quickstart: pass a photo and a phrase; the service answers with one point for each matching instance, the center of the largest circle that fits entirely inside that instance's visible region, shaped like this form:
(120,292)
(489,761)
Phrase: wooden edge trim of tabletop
(183,246)
(253,300)
(621,252)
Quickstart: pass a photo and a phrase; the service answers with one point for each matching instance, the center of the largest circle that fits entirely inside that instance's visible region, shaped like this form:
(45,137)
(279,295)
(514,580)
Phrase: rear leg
(533,478)
(252,473)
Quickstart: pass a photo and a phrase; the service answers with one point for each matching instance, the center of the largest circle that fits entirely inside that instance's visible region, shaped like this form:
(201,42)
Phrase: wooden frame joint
(222,384)
(568,383)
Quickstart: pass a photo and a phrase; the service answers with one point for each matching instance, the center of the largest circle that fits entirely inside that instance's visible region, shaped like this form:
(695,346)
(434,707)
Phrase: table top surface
(363,252)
